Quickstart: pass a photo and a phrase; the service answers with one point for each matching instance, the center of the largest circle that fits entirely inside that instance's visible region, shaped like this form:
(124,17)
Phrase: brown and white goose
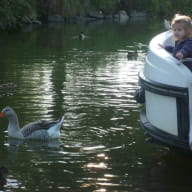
(41,129)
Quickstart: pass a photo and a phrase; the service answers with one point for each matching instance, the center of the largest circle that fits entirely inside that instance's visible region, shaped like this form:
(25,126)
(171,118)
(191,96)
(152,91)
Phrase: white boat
(167,85)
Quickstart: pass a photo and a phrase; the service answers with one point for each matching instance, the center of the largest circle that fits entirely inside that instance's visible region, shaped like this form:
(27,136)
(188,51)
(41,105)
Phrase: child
(182,31)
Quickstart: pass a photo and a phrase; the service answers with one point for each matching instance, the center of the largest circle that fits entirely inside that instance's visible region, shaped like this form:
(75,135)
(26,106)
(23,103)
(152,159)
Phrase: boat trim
(162,137)
(162,89)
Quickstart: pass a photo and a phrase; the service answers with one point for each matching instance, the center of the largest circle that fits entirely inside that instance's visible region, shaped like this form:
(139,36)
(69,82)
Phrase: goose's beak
(2,114)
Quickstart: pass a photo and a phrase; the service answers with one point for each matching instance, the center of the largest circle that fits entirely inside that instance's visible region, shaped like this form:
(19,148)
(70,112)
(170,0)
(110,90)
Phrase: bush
(12,11)
(105,5)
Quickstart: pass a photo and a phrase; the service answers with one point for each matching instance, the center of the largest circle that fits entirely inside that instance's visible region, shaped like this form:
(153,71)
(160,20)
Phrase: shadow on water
(168,172)
(92,82)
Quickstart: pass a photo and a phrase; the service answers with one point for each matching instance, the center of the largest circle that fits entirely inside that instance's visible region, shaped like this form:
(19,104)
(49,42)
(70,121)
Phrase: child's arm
(179,55)
(186,51)
(167,48)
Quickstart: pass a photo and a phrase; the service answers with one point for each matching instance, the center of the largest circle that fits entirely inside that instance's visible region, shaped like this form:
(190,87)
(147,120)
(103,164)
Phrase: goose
(81,36)
(132,54)
(42,129)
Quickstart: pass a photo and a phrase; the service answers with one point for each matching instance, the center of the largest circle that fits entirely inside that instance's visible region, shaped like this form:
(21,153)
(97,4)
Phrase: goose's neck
(13,127)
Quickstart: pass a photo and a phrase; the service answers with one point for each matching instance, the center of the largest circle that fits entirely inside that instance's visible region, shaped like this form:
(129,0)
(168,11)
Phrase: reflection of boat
(164,169)
(167,114)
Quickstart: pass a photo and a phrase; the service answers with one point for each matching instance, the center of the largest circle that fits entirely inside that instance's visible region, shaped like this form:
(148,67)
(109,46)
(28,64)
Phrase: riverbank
(16,13)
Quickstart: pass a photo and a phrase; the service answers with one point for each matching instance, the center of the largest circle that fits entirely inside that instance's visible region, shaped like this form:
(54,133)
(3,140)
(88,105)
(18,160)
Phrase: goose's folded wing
(35,126)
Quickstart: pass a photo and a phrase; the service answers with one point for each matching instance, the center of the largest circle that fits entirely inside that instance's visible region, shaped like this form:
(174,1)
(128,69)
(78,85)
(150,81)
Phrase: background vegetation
(13,11)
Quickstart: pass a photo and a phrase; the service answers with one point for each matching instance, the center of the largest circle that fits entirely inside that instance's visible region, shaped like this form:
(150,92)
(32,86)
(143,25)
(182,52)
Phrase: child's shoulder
(188,41)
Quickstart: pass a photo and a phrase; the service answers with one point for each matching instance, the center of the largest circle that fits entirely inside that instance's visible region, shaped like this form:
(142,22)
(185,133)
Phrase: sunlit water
(92,82)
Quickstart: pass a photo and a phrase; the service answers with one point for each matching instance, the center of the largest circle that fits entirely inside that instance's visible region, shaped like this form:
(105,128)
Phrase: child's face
(179,32)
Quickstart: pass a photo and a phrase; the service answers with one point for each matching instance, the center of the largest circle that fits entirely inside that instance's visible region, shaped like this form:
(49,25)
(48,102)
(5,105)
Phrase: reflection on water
(91,82)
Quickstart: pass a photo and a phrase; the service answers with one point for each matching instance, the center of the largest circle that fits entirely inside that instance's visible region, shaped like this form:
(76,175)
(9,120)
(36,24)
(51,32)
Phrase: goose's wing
(36,126)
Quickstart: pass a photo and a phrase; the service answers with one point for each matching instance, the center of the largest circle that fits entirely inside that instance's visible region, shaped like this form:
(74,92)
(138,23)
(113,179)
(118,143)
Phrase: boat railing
(184,60)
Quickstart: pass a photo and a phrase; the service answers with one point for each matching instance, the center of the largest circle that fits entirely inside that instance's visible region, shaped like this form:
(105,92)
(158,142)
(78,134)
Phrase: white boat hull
(168,96)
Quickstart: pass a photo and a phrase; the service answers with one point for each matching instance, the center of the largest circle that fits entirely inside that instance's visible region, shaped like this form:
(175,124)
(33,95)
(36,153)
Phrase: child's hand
(179,55)
(162,46)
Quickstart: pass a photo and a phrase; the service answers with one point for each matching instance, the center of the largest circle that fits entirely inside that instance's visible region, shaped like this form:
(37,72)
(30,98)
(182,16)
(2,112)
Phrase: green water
(102,147)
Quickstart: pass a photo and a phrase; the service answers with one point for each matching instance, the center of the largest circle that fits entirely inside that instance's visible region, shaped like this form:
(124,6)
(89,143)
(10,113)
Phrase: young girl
(182,31)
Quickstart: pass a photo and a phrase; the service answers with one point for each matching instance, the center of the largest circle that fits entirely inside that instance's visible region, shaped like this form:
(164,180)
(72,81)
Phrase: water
(102,147)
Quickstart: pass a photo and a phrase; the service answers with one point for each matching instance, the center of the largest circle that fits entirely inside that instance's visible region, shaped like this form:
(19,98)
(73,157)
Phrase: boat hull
(165,117)
(167,85)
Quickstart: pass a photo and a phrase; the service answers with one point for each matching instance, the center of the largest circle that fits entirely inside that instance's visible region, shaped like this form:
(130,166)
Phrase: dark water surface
(91,82)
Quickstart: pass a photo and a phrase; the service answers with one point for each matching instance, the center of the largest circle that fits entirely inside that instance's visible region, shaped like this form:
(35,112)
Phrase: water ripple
(92,83)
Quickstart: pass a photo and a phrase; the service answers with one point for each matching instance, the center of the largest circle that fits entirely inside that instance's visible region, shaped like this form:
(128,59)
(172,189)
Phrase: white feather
(54,132)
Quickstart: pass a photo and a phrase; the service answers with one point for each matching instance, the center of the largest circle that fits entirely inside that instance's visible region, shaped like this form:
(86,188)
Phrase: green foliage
(106,5)
(72,8)
(131,5)
(42,9)
(12,11)
(168,7)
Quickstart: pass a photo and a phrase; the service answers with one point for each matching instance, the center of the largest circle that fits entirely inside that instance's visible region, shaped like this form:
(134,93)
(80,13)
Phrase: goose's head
(81,36)
(7,112)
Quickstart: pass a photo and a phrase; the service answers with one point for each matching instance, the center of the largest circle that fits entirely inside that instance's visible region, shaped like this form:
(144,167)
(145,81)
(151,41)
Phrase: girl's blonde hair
(185,21)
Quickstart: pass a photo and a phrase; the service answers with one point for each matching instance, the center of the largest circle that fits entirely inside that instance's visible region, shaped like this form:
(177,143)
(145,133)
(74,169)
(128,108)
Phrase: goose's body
(41,129)
(132,53)
(81,36)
